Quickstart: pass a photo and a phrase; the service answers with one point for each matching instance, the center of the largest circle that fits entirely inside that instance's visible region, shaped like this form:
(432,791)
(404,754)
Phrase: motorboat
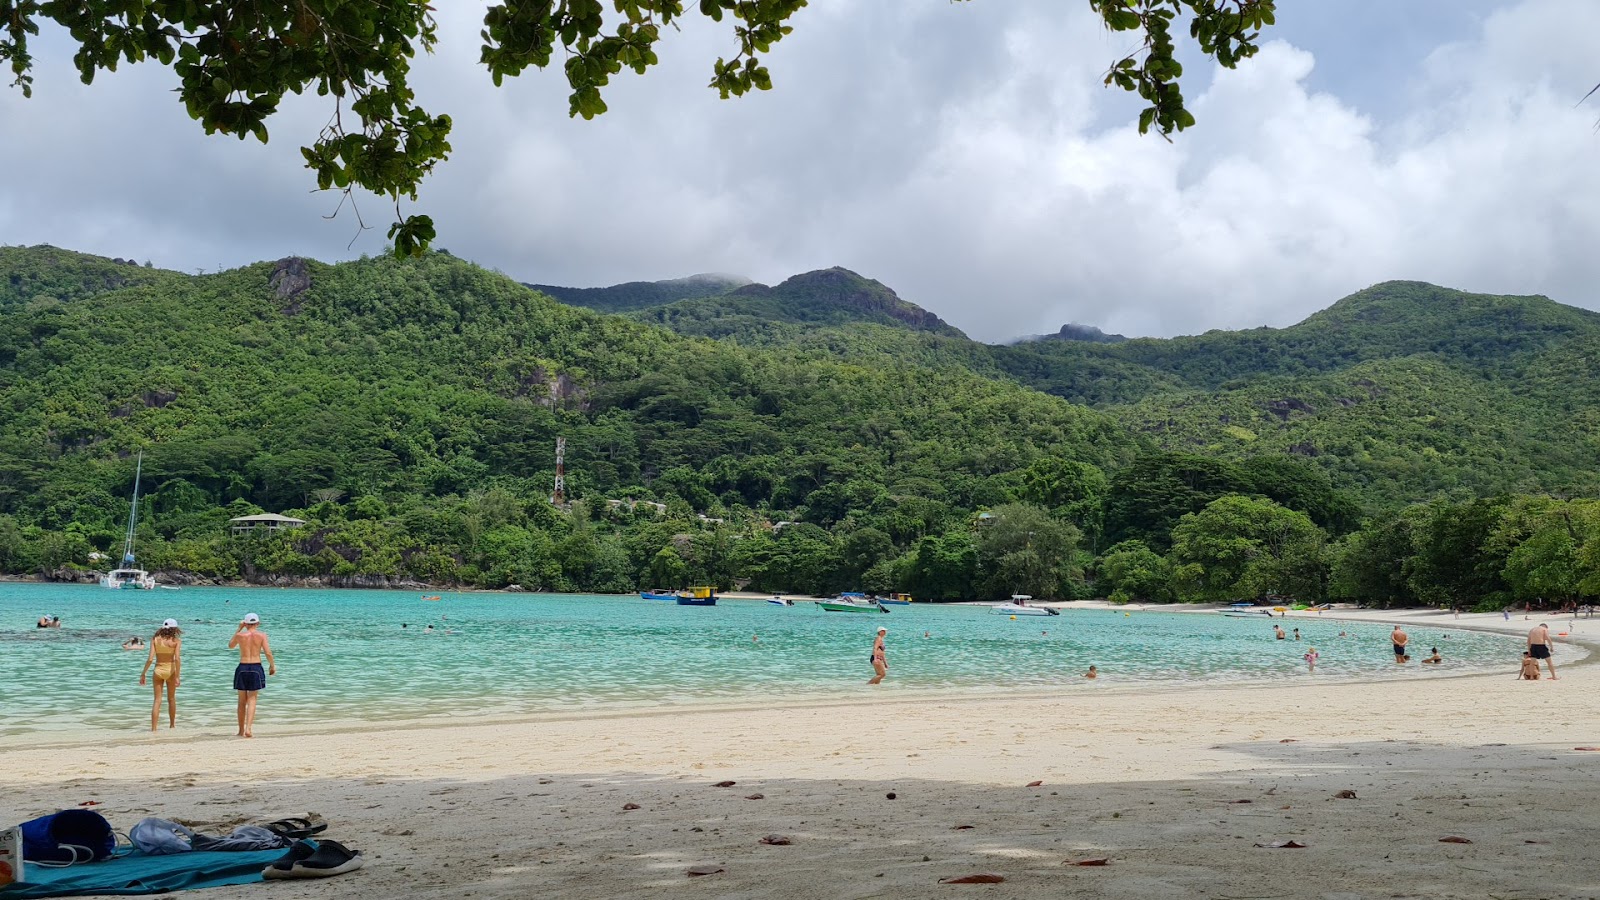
(668,596)
(780,601)
(896,600)
(697,596)
(1018,606)
(851,601)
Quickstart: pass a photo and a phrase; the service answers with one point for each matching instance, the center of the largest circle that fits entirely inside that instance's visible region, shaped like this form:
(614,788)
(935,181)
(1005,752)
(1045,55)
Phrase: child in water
(1092,674)
(1311,660)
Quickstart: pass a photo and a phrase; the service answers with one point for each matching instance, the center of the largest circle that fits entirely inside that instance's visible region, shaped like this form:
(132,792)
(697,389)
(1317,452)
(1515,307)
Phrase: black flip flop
(296,827)
(297,851)
(329,858)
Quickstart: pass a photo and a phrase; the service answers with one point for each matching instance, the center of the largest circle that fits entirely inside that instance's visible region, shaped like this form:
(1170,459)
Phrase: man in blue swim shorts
(248,679)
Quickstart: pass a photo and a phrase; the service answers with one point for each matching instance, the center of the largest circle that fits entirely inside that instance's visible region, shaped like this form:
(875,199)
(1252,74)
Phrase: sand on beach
(1175,788)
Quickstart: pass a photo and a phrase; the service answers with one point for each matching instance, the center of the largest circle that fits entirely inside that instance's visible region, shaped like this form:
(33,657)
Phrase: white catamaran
(129,577)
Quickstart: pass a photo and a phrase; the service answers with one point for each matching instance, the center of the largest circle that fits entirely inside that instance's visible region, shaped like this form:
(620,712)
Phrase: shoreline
(1175,788)
(826,699)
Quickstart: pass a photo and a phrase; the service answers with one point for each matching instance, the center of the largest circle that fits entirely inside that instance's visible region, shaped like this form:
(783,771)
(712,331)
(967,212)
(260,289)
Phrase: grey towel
(244,837)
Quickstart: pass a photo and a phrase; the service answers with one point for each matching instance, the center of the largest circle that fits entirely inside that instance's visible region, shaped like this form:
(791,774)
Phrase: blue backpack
(67,837)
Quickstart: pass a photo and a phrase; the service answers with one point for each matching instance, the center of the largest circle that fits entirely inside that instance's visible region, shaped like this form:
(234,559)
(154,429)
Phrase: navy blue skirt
(249,677)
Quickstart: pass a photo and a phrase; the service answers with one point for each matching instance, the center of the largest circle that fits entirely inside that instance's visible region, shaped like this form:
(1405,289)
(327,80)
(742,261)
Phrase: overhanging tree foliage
(236,59)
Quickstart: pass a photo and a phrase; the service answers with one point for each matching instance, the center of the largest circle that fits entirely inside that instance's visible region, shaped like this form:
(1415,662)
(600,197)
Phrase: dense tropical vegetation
(1408,445)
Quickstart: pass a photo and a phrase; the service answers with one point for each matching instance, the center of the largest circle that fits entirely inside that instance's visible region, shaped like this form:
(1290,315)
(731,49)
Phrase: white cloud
(964,154)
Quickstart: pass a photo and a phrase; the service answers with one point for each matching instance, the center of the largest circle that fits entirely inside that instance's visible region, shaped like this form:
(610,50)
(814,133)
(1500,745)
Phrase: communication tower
(559,498)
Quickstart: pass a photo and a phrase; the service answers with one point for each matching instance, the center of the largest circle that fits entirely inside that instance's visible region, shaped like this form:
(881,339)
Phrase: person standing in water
(880,662)
(1311,658)
(1399,639)
(248,679)
(166,653)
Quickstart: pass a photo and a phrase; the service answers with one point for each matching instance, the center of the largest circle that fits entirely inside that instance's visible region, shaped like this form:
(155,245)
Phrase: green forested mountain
(818,435)
(412,409)
(619,298)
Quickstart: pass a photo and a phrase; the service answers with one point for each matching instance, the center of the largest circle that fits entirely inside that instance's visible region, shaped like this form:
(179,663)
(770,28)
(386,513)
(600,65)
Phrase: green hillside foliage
(758,314)
(1400,447)
(620,298)
(409,411)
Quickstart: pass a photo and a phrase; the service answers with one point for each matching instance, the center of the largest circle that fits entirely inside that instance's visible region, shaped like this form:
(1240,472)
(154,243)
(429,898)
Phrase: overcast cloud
(964,154)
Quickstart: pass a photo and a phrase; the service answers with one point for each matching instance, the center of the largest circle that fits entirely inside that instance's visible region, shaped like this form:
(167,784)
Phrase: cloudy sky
(965,154)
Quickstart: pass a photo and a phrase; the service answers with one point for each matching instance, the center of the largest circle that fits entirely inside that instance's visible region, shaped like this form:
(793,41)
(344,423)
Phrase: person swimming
(133,643)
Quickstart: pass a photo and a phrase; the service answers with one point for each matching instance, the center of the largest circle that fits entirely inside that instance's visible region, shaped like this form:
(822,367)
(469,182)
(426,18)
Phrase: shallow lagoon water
(343,655)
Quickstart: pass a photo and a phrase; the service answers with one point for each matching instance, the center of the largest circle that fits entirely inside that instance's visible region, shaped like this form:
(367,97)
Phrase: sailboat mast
(133,515)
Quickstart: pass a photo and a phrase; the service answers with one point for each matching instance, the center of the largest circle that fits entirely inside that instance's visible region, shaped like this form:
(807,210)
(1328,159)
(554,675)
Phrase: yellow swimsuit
(163,664)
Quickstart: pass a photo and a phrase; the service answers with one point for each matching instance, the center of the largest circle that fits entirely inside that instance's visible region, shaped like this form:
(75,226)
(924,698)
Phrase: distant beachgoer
(1530,667)
(755,638)
(1092,674)
(248,679)
(1435,658)
(1311,658)
(1297,634)
(166,653)
(133,643)
(1539,647)
(44,622)
(1342,634)
(429,629)
(1399,639)
(1278,631)
(927,634)
(1506,614)
(880,662)
(55,621)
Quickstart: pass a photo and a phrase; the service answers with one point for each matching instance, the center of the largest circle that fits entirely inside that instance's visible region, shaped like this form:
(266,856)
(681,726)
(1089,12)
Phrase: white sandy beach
(1152,780)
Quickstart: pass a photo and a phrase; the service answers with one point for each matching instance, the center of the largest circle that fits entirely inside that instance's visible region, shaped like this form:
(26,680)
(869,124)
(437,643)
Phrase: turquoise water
(343,655)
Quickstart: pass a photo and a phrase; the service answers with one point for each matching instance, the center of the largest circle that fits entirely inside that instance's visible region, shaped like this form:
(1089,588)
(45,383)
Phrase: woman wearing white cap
(880,663)
(166,652)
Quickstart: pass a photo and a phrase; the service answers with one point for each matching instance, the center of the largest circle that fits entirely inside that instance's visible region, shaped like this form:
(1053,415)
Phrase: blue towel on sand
(138,873)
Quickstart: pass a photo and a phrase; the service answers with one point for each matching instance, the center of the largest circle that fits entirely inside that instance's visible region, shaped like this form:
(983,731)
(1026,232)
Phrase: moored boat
(843,603)
(896,600)
(697,596)
(1018,606)
(129,577)
(780,601)
(659,595)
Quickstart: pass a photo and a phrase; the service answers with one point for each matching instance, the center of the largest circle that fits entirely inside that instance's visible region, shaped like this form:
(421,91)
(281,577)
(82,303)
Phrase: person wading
(248,679)
(880,662)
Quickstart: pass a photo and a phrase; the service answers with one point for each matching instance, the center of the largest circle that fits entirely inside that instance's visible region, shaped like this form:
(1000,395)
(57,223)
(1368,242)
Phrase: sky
(965,154)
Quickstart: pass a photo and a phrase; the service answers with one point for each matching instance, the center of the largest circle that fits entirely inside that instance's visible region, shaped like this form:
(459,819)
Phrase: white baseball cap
(883,631)
(252,619)
(170,623)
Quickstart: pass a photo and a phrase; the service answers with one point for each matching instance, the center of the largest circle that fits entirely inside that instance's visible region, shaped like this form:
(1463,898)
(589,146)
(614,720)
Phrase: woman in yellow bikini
(166,652)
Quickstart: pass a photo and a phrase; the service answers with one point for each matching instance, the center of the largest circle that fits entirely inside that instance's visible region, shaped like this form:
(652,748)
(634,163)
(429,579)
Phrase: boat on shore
(1018,606)
(129,577)
(697,596)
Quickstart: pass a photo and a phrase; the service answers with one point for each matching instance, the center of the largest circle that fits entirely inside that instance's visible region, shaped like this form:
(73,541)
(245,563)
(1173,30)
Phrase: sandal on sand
(296,827)
(315,859)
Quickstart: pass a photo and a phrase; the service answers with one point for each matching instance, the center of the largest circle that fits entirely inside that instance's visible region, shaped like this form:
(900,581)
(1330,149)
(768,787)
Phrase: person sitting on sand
(133,643)
(1435,658)
(1092,674)
(1530,667)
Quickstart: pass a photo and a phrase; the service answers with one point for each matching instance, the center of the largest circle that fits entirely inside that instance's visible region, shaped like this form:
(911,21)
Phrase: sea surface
(363,656)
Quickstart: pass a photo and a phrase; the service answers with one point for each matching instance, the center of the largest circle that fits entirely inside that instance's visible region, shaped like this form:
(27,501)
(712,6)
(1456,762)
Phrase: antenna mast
(559,498)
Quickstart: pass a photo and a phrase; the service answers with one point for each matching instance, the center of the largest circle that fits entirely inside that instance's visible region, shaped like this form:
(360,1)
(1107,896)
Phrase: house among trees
(268,522)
